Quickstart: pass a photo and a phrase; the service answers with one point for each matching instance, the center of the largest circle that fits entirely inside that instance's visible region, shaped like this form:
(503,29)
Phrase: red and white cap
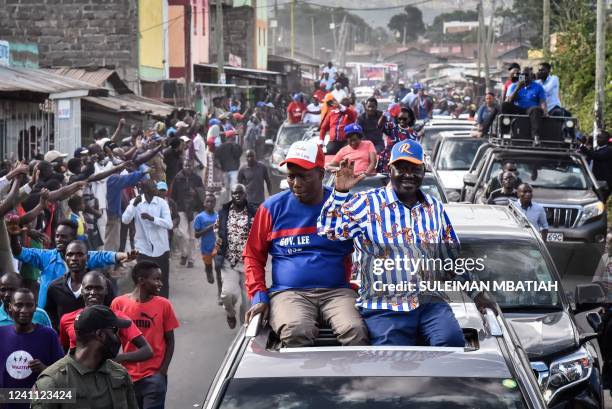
(305,154)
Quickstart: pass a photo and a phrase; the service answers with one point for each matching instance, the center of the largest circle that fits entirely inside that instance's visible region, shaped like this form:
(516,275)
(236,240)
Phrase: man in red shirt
(320,93)
(93,291)
(155,317)
(513,74)
(296,109)
(334,123)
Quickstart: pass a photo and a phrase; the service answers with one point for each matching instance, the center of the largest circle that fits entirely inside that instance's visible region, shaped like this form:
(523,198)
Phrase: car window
(550,173)
(457,153)
(373,392)
(290,134)
(505,262)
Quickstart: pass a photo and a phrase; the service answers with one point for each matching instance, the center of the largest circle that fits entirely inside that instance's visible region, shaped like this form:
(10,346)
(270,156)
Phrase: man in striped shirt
(393,227)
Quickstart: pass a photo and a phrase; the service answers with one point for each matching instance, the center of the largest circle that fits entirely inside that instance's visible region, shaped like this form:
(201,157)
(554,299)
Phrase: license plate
(554,237)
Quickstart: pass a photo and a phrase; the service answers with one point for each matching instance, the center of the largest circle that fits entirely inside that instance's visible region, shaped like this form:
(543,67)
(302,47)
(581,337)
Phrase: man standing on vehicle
(533,211)
(401,220)
(334,122)
(310,274)
(527,97)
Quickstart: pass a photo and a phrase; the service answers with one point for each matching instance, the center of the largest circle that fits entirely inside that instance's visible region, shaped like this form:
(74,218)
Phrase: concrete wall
(152,39)
(76,32)
(238,34)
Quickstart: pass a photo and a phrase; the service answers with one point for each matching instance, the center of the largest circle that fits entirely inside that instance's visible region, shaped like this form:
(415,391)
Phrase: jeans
(434,322)
(151,391)
(230,179)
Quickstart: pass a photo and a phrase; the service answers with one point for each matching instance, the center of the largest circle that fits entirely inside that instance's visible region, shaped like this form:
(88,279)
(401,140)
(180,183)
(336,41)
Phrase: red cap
(305,154)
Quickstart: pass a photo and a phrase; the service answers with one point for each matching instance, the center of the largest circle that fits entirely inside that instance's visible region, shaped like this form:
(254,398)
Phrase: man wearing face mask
(88,368)
(527,97)
(513,76)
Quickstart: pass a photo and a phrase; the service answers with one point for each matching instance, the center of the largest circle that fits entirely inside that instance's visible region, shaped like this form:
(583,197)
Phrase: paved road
(202,339)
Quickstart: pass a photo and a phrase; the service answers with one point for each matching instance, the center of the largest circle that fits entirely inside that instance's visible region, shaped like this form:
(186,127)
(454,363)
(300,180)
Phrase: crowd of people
(70,228)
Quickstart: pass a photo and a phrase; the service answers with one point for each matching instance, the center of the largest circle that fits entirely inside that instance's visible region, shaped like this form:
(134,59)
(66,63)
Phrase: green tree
(411,20)
(574,63)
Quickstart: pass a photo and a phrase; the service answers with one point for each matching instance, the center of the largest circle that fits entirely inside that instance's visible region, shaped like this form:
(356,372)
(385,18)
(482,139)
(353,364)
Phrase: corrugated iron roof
(40,81)
(96,76)
(132,103)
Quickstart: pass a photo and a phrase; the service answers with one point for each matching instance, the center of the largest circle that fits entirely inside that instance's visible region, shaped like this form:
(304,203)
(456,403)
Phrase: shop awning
(132,103)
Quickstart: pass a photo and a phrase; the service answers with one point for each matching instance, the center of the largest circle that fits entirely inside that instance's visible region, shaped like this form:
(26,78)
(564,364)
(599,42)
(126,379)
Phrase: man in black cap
(88,369)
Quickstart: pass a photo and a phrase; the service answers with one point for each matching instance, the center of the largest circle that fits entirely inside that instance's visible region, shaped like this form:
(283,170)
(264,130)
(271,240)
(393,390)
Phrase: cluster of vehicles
(542,349)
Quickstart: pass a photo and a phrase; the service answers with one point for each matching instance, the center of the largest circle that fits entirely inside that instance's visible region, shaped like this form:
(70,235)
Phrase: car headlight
(590,211)
(506,121)
(566,372)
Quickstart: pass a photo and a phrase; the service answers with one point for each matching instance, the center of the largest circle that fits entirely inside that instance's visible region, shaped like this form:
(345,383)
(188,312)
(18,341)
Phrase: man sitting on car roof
(391,225)
(310,274)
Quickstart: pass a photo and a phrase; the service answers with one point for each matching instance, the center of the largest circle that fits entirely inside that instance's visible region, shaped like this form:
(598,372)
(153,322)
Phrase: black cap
(98,317)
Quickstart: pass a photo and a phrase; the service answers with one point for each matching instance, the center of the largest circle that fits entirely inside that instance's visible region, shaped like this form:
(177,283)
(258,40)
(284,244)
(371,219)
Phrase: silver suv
(490,372)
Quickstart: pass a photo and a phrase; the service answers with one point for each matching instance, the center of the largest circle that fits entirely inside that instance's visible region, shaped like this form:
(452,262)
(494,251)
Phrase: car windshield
(373,392)
(527,266)
(289,134)
(457,153)
(431,135)
(548,172)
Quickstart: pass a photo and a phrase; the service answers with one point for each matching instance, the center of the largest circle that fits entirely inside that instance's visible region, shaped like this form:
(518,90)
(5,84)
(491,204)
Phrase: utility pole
(404,38)
(600,66)
(312,33)
(479,35)
(546,30)
(488,44)
(333,28)
(292,8)
(220,51)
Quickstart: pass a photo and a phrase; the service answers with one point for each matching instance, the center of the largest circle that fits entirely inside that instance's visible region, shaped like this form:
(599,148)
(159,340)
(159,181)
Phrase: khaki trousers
(186,237)
(295,316)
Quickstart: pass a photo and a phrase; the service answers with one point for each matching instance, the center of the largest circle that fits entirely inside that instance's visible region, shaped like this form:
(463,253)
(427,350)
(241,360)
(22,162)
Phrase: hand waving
(345,176)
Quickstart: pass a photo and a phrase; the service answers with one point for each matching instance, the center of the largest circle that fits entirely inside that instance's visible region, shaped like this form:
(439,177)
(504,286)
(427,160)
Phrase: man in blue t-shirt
(527,97)
(26,348)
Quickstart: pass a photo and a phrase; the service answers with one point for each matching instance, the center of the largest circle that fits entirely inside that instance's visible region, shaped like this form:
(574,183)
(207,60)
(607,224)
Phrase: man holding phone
(527,97)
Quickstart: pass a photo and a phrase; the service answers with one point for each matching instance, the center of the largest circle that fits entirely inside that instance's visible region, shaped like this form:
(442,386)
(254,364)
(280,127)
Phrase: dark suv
(562,183)
(559,337)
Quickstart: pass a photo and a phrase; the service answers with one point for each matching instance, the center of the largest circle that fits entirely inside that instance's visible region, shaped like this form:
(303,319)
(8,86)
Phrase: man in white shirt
(332,74)
(199,149)
(313,112)
(339,93)
(550,83)
(409,98)
(101,164)
(153,220)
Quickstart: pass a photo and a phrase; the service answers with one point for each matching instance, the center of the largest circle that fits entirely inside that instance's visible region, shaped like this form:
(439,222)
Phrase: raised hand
(345,176)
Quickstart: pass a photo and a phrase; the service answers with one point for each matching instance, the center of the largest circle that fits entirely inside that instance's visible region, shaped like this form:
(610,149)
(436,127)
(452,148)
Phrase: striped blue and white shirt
(387,235)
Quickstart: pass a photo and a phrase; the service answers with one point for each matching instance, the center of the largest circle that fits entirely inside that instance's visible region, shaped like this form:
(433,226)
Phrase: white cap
(54,155)
(270,105)
(185,138)
(102,141)
(305,154)
(181,124)
(401,82)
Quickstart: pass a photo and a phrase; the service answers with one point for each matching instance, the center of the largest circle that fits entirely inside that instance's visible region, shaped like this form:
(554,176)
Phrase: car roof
(487,360)
(480,222)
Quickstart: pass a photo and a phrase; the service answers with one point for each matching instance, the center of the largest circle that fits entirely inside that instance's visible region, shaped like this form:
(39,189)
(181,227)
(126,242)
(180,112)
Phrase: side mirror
(453,196)
(595,321)
(602,188)
(583,338)
(470,179)
(589,297)
(269,142)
